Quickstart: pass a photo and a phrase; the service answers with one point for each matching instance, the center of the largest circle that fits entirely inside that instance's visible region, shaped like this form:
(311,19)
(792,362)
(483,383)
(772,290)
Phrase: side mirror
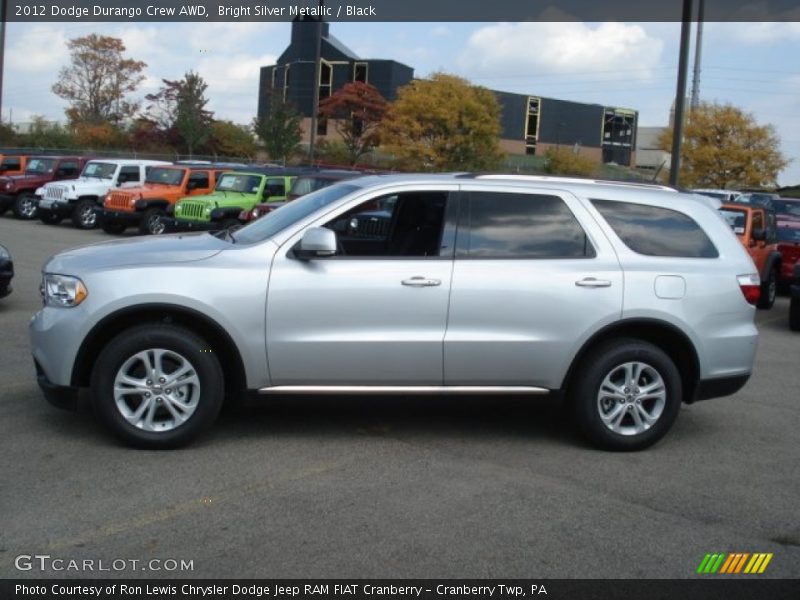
(759,235)
(317,242)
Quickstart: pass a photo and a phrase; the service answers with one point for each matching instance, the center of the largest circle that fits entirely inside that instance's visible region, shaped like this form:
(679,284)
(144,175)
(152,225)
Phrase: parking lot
(395,487)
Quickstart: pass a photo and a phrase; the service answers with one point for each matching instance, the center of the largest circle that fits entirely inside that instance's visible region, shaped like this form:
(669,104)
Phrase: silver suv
(626,299)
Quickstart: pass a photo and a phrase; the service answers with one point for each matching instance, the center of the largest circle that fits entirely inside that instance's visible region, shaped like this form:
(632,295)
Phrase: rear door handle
(593,282)
(421,282)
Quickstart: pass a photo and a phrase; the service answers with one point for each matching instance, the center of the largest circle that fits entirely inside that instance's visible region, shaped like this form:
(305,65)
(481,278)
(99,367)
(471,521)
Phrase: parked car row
(154,196)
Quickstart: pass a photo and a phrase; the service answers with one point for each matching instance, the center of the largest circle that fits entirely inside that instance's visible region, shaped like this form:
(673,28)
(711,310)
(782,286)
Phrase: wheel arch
(111,325)
(666,336)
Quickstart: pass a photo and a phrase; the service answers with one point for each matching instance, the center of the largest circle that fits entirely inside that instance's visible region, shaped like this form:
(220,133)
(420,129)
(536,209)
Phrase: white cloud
(758,32)
(440,31)
(42,49)
(561,48)
(233,84)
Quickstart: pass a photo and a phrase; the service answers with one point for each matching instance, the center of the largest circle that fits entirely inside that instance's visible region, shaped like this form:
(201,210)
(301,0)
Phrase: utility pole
(2,51)
(317,69)
(698,52)
(680,96)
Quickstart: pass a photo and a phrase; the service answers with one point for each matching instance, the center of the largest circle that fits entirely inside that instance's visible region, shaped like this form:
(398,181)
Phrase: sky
(633,65)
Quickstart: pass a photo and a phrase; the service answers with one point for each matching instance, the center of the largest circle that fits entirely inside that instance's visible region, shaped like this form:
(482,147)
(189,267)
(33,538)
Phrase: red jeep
(18,191)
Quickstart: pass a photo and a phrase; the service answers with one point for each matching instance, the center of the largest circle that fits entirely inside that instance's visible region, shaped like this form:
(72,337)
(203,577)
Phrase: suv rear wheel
(627,395)
(157,386)
(769,290)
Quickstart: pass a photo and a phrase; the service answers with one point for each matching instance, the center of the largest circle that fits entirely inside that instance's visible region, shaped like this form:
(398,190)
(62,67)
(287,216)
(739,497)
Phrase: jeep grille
(118,200)
(192,210)
(54,192)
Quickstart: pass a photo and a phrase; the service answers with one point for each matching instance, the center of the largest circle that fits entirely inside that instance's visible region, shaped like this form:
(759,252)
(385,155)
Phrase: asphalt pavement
(393,487)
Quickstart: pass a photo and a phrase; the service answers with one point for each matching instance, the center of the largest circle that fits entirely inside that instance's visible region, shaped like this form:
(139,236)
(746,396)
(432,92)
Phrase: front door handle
(421,282)
(593,282)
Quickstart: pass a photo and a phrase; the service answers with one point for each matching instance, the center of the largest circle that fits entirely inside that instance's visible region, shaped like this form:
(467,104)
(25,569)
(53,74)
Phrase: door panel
(517,319)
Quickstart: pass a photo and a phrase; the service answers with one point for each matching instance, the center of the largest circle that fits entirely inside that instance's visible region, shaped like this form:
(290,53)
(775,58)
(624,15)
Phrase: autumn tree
(230,139)
(356,110)
(162,106)
(98,80)
(442,124)
(47,134)
(279,129)
(192,119)
(724,147)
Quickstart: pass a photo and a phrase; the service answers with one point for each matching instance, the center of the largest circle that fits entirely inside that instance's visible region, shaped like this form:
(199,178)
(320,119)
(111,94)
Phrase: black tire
(26,206)
(178,342)
(794,312)
(606,361)
(769,290)
(113,227)
(83,215)
(151,223)
(48,217)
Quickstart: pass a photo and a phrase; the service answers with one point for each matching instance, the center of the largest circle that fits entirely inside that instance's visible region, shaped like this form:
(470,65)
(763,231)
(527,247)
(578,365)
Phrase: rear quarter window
(656,231)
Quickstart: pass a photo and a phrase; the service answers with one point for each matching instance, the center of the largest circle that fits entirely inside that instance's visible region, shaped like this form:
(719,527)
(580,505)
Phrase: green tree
(444,123)
(356,110)
(563,162)
(230,139)
(97,81)
(279,129)
(724,147)
(47,134)
(192,119)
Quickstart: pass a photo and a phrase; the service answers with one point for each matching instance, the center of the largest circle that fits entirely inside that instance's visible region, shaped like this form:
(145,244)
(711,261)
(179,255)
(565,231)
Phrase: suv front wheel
(627,395)
(157,386)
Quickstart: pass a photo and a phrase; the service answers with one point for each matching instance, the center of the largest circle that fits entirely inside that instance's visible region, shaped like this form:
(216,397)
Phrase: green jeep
(236,191)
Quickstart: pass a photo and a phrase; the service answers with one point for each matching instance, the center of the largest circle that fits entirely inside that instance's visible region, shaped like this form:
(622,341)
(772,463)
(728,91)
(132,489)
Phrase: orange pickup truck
(144,206)
(756,228)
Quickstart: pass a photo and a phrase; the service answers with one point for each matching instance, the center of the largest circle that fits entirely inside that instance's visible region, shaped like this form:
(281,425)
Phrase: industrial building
(530,123)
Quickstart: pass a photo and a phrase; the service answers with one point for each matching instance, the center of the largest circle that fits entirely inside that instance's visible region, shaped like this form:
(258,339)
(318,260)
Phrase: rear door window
(513,225)
(656,231)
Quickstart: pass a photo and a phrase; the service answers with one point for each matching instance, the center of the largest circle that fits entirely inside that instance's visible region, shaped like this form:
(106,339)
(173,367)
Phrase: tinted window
(276,187)
(524,226)
(200,179)
(737,219)
(787,207)
(655,231)
(68,168)
(12,163)
(129,174)
(405,224)
(789,234)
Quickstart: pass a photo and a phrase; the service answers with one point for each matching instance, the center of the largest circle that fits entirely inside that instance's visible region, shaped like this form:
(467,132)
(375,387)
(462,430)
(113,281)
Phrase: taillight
(750,286)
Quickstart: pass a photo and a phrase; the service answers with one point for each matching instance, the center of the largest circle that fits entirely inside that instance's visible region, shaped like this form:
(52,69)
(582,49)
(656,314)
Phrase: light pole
(680,96)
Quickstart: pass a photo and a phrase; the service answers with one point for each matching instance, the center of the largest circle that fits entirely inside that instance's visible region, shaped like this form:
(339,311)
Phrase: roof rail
(558,179)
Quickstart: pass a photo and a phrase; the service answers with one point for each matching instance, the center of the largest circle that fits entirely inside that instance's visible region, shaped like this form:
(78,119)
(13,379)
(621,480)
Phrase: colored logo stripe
(734,562)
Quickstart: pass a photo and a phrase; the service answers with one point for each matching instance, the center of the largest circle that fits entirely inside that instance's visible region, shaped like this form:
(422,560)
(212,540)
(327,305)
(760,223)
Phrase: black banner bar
(395,10)
(734,588)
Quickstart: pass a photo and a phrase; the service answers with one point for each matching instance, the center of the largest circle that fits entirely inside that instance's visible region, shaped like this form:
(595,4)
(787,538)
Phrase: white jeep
(79,198)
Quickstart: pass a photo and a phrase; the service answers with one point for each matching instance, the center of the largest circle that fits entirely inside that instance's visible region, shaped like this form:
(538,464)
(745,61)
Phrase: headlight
(9,185)
(255,213)
(208,211)
(62,291)
(4,252)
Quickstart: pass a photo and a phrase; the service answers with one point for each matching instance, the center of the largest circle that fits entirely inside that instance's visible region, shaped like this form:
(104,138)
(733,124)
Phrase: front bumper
(60,207)
(64,397)
(174,224)
(118,215)
(7,200)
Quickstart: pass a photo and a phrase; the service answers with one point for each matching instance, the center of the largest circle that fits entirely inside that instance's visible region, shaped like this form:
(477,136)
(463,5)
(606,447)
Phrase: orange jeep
(756,228)
(144,206)
(13,164)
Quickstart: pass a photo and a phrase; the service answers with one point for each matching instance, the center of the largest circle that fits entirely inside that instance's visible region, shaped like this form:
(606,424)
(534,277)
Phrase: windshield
(99,170)
(788,234)
(237,182)
(286,215)
(40,165)
(787,207)
(737,219)
(164,176)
